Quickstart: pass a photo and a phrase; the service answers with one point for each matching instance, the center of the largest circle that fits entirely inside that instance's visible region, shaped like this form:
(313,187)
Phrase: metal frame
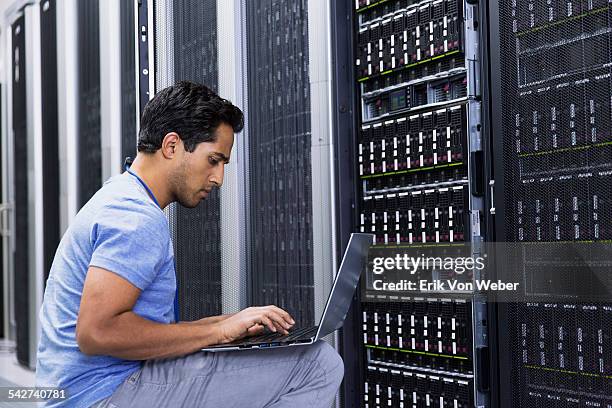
(143,55)
(476,198)
(321,43)
(67,98)
(244,194)
(8,243)
(110,88)
(322,150)
(489,46)
(344,123)
(502,391)
(35,174)
(15,10)
(233,209)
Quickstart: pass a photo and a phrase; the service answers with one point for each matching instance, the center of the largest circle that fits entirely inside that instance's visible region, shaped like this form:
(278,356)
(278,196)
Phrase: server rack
(421,184)
(89,135)
(550,121)
(50,147)
(280,157)
(21,263)
(129,113)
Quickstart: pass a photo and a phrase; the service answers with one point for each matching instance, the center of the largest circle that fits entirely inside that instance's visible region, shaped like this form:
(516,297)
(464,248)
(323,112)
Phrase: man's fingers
(265,320)
(256,329)
(286,316)
(279,321)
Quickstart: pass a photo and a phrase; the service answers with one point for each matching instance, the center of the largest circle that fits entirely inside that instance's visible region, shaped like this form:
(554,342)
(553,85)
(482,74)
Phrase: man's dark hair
(191,110)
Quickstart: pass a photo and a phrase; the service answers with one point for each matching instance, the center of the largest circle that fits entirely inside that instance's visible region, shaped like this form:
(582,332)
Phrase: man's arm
(106,324)
(211,319)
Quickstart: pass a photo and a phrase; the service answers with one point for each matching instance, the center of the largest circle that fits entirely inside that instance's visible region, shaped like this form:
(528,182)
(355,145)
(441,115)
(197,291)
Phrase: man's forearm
(211,319)
(132,337)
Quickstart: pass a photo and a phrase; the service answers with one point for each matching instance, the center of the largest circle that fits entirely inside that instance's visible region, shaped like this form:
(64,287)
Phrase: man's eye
(213,161)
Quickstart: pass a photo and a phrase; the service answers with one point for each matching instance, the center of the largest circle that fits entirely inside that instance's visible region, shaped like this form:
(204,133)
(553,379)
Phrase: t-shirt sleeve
(130,240)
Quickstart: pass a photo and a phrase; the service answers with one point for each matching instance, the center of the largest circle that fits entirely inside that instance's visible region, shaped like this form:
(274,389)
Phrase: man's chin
(189,204)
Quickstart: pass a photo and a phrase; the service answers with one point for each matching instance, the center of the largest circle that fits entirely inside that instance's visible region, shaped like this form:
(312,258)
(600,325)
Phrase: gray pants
(304,376)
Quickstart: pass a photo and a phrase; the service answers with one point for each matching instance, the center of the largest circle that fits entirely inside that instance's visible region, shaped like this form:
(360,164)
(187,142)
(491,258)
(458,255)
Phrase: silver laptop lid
(339,300)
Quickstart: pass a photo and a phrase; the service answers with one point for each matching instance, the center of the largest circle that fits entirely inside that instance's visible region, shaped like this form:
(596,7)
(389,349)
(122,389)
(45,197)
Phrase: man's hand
(252,321)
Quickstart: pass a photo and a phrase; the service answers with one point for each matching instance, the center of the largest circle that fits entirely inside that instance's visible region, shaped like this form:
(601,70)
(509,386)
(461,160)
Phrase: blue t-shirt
(123,231)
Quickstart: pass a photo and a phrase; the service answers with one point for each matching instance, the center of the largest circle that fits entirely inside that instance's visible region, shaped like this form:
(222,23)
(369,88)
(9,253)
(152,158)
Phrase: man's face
(202,170)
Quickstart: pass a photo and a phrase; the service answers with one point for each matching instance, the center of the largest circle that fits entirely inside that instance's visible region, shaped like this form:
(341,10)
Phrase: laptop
(336,308)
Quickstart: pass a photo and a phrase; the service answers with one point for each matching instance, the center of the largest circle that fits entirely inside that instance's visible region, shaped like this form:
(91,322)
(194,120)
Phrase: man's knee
(330,361)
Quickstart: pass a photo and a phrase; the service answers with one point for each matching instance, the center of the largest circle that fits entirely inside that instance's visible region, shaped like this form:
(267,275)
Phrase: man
(108,335)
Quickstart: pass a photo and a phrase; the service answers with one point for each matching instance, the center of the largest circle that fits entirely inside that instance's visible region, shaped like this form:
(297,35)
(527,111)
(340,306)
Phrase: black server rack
(51,188)
(128,80)
(20,157)
(416,170)
(551,121)
(89,137)
(279,157)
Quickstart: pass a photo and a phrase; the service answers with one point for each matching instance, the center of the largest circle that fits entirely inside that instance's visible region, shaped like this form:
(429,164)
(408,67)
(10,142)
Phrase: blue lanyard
(127,168)
(142,183)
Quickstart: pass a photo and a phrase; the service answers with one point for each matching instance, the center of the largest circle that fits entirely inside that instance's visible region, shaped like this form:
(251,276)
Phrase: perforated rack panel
(557,160)
(280,188)
(197,231)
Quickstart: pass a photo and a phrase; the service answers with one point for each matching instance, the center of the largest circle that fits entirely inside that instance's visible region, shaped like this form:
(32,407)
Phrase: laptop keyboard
(293,335)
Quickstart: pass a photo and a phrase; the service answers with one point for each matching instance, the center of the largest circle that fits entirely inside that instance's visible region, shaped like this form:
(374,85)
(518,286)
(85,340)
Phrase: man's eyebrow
(223,157)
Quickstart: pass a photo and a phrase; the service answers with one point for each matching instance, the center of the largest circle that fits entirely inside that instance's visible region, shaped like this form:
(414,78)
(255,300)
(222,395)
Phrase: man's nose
(217,176)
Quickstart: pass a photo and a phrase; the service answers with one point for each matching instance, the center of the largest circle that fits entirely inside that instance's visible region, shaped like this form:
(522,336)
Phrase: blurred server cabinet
(50,141)
(420,185)
(551,124)
(89,136)
(20,156)
(26,208)
(129,113)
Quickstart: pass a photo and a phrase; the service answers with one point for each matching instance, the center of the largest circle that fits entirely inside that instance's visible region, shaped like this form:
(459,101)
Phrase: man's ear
(170,144)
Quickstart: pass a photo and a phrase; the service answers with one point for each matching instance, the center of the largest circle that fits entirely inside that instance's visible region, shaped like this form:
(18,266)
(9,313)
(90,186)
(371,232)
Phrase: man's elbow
(91,341)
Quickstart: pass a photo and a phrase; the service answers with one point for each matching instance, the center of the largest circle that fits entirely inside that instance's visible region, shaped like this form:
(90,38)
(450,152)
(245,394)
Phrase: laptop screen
(339,300)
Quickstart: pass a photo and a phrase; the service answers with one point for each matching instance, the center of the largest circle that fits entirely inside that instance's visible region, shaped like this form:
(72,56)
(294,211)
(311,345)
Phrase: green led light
(567,20)
(361,10)
(424,353)
(566,149)
(442,166)
(556,370)
(414,64)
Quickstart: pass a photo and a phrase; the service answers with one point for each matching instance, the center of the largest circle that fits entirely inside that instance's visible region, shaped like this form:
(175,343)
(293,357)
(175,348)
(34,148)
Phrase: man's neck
(149,172)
